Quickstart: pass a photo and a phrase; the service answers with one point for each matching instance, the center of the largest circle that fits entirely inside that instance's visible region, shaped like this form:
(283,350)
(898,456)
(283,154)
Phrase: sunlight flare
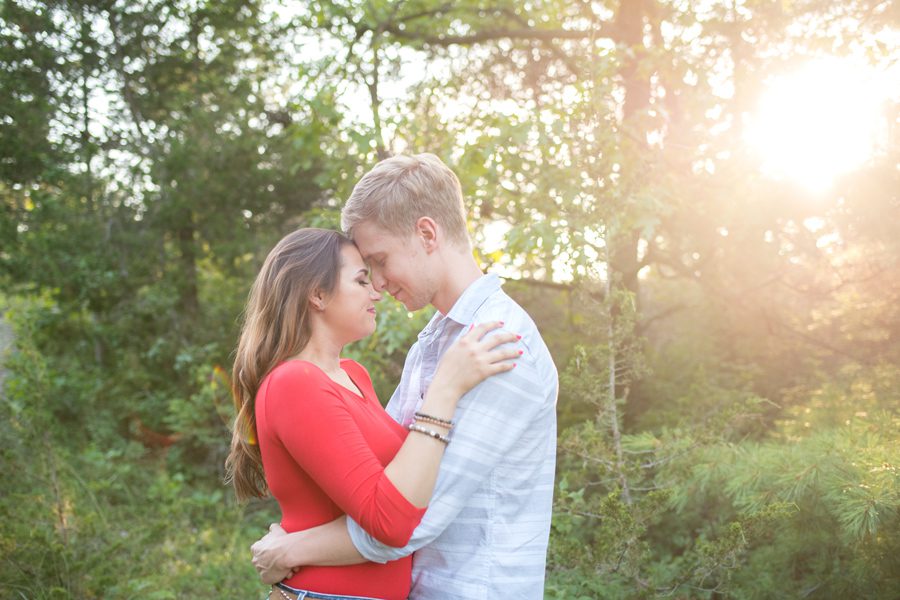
(820,121)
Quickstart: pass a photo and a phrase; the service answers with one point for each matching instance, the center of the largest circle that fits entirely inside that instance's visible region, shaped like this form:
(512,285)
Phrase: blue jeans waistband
(303,594)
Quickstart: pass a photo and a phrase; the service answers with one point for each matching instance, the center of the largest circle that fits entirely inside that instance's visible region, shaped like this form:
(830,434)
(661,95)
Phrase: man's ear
(429,232)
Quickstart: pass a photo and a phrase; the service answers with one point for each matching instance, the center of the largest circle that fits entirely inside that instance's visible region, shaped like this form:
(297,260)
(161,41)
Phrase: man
(485,533)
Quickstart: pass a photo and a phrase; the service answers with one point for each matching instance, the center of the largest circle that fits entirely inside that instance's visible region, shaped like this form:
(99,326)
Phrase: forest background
(724,313)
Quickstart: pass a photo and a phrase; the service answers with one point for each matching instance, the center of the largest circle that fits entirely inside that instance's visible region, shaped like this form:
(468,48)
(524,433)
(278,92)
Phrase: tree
(608,137)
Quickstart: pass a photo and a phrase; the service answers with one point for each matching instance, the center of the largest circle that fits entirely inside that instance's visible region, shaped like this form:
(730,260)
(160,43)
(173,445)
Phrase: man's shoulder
(500,306)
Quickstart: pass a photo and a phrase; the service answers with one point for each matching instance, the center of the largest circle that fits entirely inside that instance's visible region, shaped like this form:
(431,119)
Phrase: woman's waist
(305,508)
(390,580)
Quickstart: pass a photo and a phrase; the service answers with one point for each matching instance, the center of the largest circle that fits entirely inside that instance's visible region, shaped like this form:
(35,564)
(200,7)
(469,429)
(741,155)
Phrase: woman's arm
(466,363)
(412,472)
(318,429)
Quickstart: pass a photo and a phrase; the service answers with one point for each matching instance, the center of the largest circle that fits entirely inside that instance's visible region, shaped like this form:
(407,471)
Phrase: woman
(309,427)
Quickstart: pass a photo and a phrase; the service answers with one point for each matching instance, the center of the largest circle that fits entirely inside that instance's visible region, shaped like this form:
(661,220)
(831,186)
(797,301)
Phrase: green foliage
(129,242)
(727,343)
(797,509)
(88,512)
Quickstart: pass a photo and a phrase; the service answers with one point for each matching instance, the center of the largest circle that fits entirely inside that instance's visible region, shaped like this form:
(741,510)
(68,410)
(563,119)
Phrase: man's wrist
(293,555)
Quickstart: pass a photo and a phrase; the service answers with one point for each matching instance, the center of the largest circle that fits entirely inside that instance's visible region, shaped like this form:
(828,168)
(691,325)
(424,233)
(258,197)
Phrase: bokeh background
(697,200)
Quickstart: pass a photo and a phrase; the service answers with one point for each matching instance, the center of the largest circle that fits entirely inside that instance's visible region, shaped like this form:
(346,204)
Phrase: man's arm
(330,544)
(279,552)
(490,420)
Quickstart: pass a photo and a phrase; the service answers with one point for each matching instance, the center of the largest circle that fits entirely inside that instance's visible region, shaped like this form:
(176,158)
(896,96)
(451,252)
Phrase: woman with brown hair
(309,427)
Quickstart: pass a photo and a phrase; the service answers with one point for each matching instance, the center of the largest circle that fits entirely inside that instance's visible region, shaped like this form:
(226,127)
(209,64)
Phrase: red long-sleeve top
(324,449)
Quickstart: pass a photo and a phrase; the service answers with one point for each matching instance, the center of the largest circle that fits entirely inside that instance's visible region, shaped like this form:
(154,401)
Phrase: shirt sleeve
(319,432)
(489,421)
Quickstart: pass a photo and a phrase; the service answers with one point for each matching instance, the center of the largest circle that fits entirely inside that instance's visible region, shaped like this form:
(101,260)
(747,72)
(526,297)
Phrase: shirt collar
(473,297)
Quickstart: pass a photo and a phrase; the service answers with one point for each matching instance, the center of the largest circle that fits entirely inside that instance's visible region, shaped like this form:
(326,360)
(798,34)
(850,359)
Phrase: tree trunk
(622,243)
(630,31)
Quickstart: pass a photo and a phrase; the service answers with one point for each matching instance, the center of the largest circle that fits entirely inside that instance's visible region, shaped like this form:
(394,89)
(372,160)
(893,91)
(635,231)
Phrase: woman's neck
(322,352)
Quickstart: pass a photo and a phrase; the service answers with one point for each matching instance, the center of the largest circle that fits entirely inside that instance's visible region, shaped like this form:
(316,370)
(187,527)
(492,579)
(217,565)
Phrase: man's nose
(378,282)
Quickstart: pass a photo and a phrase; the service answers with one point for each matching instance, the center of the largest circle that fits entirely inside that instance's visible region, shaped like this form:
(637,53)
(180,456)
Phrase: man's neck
(460,272)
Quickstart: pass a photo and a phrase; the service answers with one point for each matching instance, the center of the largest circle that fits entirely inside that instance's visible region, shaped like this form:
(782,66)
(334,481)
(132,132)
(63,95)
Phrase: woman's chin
(364,334)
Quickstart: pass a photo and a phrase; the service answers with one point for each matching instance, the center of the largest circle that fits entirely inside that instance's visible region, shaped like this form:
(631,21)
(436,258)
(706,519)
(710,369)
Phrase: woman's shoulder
(351,366)
(294,374)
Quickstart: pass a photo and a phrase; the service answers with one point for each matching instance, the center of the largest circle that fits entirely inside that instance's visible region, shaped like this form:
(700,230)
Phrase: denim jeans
(304,594)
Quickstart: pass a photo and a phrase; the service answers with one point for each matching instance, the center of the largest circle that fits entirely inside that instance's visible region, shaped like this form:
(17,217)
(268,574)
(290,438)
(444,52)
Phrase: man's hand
(270,556)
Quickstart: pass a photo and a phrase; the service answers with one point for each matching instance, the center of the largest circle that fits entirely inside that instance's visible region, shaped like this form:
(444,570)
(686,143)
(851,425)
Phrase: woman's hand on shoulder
(476,356)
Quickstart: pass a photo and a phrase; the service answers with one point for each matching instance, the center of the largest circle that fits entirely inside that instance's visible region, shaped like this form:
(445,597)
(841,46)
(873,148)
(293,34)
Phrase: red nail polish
(518,337)
(521,352)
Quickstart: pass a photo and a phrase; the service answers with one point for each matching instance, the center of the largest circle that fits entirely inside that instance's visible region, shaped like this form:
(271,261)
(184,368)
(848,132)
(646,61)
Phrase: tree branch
(493,34)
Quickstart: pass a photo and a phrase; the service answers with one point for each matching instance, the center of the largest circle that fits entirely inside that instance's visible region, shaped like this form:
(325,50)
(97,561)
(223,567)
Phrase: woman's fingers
(502,360)
(504,337)
(489,348)
(479,331)
(503,354)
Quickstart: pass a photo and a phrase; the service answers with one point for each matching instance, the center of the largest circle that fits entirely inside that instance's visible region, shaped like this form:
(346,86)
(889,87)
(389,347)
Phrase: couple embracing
(446,494)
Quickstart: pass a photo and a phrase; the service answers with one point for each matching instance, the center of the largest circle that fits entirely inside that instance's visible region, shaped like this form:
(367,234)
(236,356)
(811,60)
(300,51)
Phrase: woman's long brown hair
(276,327)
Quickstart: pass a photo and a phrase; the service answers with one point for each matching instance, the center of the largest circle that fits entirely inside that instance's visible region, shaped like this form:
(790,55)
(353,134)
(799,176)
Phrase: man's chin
(413,305)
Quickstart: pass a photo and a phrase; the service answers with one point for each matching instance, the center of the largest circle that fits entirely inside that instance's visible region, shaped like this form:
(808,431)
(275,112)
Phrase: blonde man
(486,529)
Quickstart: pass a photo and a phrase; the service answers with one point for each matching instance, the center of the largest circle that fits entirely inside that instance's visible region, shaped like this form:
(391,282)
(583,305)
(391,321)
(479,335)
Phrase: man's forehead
(372,240)
(369,247)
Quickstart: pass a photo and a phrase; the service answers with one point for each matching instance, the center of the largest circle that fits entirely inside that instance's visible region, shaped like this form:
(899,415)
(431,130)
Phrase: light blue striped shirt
(484,535)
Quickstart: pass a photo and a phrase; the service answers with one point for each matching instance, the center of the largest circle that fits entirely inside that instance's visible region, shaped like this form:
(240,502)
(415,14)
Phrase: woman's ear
(317,300)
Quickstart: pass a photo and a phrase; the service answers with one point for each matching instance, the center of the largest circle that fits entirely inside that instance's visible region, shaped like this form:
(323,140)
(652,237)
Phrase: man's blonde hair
(401,189)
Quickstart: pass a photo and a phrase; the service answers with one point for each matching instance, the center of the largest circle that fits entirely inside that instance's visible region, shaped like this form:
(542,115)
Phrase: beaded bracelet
(429,432)
(434,420)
